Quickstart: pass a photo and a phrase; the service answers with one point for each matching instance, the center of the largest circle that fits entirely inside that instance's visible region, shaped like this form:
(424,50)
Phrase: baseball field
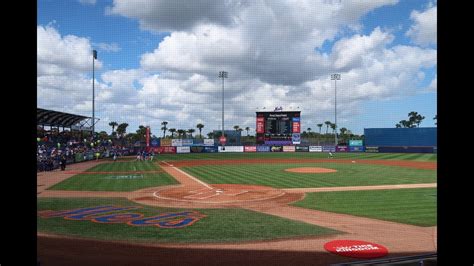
(288,202)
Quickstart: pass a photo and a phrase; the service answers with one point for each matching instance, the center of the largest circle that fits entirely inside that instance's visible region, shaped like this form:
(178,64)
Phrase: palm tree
(418,120)
(343,132)
(172,130)
(210,135)
(436,118)
(247,129)
(333,127)
(122,129)
(164,123)
(319,125)
(200,126)
(113,124)
(236,128)
(327,123)
(180,132)
(191,131)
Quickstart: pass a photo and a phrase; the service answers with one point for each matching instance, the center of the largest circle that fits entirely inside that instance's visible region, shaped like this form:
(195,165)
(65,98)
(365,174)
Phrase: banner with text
(232,149)
(329,149)
(184,149)
(302,148)
(250,148)
(263,148)
(176,142)
(165,142)
(289,149)
(315,148)
(209,142)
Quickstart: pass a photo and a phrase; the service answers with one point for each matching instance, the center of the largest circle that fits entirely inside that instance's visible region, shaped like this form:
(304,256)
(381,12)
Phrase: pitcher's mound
(310,170)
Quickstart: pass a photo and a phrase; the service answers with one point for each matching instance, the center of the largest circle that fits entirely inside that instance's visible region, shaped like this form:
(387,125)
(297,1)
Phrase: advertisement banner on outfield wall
(232,149)
(289,149)
(165,142)
(167,149)
(209,142)
(203,149)
(355,143)
(263,148)
(250,148)
(371,149)
(176,142)
(315,148)
(329,149)
(302,148)
(356,148)
(342,148)
(184,149)
(276,148)
(155,142)
(186,142)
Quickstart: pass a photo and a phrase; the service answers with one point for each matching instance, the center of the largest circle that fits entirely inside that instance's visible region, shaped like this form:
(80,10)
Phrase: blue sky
(158,60)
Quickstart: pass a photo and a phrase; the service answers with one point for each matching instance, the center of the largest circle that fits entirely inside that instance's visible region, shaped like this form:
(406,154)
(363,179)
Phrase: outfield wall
(401,137)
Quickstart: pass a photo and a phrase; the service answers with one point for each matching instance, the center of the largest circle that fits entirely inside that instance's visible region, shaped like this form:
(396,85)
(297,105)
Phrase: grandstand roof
(60,119)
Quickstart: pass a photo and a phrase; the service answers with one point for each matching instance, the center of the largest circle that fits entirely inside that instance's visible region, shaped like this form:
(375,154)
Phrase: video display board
(278,127)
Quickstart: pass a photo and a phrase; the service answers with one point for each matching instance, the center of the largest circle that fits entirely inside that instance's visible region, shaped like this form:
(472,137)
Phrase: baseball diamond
(227,202)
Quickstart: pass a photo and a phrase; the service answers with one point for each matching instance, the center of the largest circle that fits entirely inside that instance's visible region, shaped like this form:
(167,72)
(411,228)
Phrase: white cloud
(108,47)
(267,47)
(58,54)
(423,31)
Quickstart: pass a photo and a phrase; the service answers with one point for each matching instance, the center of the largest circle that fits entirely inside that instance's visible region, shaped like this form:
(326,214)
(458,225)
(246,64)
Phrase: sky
(159,61)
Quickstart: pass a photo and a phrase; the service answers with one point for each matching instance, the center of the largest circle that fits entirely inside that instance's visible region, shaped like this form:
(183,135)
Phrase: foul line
(188,175)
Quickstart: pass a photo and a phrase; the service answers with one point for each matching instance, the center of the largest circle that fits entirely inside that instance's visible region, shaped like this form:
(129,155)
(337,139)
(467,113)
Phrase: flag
(94,54)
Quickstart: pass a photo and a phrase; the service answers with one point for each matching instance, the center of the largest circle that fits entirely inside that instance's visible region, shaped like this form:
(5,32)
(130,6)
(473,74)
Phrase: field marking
(188,175)
(156,195)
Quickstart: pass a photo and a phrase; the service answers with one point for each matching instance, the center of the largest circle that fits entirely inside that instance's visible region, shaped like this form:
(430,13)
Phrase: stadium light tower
(223,75)
(94,56)
(335,77)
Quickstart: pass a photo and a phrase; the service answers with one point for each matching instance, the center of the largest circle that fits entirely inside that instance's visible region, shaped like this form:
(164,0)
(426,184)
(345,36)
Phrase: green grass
(409,206)
(274,175)
(422,157)
(107,182)
(220,225)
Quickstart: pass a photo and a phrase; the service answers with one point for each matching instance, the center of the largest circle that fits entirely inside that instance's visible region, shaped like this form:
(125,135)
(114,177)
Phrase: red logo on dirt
(356,249)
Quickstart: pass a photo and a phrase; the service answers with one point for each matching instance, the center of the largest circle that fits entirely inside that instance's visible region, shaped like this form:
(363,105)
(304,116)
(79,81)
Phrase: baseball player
(330,155)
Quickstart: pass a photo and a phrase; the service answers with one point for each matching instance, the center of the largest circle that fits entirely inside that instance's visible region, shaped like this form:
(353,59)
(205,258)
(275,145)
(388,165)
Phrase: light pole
(223,75)
(94,56)
(335,77)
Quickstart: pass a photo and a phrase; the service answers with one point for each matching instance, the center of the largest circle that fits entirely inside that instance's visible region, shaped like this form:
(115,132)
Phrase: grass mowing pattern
(274,175)
(220,225)
(106,182)
(409,206)
(422,157)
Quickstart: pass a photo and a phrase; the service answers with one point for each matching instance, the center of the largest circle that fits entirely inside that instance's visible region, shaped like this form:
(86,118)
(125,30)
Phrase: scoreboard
(278,127)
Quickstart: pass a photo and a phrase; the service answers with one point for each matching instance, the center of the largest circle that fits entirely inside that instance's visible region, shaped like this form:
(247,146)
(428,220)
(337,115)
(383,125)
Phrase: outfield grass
(409,206)
(112,182)
(220,225)
(422,157)
(274,175)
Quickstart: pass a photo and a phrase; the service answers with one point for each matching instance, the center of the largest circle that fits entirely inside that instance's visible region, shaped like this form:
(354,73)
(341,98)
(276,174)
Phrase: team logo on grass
(105,214)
